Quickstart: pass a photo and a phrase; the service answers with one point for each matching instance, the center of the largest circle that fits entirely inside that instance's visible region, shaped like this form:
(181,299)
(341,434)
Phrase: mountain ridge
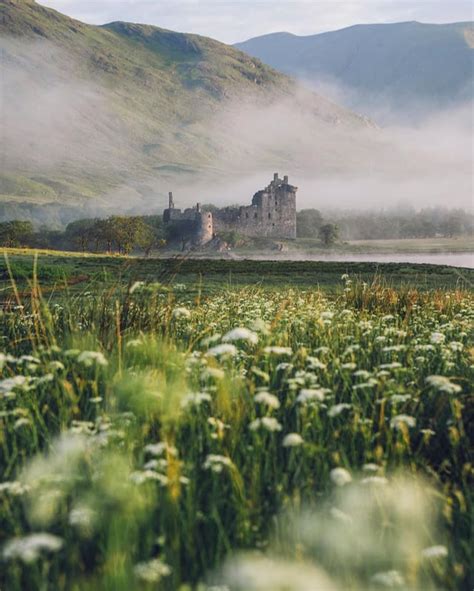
(401,67)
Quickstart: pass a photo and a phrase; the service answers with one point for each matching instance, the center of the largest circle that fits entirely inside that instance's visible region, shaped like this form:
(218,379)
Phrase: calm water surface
(459,259)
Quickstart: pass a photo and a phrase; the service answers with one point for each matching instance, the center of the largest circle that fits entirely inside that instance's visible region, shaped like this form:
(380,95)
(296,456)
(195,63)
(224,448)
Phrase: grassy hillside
(405,66)
(88,109)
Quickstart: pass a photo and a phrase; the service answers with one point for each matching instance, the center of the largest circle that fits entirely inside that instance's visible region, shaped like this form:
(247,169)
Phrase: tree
(15,233)
(81,233)
(328,234)
(308,222)
(452,226)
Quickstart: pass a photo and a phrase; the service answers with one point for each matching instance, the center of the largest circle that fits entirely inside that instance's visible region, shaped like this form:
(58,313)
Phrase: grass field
(227,425)
(58,271)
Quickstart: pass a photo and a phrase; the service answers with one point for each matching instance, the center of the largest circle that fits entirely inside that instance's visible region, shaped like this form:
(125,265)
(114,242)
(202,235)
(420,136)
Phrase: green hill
(87,109)
(405,69)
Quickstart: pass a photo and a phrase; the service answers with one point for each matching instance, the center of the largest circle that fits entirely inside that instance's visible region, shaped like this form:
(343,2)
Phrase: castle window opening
(269,216)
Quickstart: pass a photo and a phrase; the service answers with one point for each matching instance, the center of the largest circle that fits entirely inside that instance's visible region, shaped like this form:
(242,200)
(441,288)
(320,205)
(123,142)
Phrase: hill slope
(408,68)
(87,109)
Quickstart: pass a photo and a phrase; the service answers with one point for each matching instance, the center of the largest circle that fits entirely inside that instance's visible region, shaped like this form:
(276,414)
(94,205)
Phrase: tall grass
(147,435)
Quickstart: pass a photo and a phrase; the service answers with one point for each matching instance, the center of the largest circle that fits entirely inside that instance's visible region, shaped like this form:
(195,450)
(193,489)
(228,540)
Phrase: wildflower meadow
(248,439)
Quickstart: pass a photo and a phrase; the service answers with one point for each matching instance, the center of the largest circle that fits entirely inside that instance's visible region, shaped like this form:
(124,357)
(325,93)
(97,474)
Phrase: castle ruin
(272,214)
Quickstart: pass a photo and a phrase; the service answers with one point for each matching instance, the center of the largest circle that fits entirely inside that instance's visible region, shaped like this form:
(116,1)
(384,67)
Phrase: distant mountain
(86,109)
(401,70)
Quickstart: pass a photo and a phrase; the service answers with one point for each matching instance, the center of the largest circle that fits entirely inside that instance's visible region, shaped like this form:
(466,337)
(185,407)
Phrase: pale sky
(237,20)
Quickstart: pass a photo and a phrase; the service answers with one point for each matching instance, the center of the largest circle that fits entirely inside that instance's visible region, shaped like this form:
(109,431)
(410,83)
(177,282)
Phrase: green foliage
(328,233)
(308,222)
(144,439)
(403,223)
(15,233)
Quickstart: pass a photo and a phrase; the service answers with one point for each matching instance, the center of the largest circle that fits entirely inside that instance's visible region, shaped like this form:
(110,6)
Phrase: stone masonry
(272,214)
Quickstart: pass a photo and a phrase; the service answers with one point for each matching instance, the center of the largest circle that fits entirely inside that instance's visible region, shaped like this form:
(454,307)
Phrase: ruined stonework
(272,215)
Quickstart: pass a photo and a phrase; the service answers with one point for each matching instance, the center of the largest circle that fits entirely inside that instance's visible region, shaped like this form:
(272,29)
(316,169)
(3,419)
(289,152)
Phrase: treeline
(142,234)
(120,234)
(393,224)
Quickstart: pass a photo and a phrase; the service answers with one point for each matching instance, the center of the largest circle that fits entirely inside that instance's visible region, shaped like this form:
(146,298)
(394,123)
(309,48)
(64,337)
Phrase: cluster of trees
(126,234)
(394,224)
(122,234)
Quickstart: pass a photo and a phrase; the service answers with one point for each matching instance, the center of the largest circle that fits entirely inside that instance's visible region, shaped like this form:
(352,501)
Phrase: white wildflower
(437,338)
(337,409)
(9,385)
(400,398)
(349,366)
(152,571)
(278,350)
(443,384)
(181,313)
(393,365)
(56,366)
(226,349)
(340,476)
(371,467)
(158,449)
(369,384)
(292,440)
(195,399)
(29,548)
(134,343)
(136,286)
(391,578)
(82,517)
(311,395)
(241,334)
(22,422)
(90,358)
(216,463)
(434,552)
(268,399)
(400,420)
(267,423)
(375,480)
(142,476)
(14,488)
(315,363)
(362,373)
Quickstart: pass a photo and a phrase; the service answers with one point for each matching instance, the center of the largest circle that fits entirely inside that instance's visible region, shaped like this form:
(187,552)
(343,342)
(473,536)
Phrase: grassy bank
(76,271)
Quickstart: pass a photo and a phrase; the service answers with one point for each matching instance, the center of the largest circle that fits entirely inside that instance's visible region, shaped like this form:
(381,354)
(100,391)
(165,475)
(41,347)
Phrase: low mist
(52,117)
(57,121)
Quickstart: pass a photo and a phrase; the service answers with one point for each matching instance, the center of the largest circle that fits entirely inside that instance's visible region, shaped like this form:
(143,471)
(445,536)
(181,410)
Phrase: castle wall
(272,214)
(191,224)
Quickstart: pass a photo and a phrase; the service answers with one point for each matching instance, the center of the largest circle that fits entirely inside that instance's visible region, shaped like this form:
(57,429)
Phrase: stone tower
(272,214)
